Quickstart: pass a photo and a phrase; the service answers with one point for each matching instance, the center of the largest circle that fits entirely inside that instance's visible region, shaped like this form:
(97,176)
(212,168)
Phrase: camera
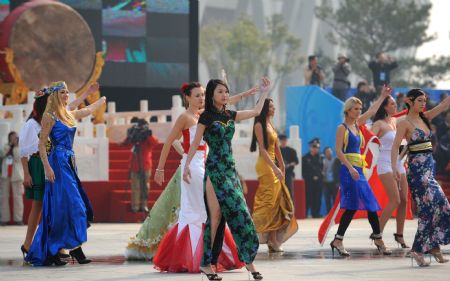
(138,132)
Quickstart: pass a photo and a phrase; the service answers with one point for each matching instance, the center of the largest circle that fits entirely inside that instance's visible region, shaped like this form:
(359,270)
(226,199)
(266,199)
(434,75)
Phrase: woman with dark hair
(34,177)
(177,218)
(355,191)
(384,127)
(66,211)
(273,209)
(433,208)
(225,202)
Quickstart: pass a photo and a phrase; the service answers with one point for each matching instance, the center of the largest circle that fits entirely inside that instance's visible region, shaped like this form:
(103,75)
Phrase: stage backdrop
(150,46)
(316,112)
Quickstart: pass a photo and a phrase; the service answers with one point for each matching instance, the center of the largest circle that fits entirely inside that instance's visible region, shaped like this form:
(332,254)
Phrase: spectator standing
(290,161)
(11,176)
(312,174)
(381,69)
(366,94)
(330,181)
(341,71)
(313,72)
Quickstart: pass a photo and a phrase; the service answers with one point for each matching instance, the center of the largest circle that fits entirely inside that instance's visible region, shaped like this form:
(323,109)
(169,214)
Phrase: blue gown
(355,195)
(66,211)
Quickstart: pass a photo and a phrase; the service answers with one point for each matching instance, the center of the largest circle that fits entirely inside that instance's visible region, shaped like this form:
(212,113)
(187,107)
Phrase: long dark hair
(413,94)
(381,112)
(209,94)
(186,90)
(261,118)
(38,108)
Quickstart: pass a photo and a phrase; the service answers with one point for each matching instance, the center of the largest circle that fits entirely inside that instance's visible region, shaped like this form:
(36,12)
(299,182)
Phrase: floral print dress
(220,169)
(433,208)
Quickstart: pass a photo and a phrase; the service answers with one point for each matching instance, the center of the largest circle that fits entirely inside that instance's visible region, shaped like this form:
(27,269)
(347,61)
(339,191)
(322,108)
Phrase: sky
(439,25)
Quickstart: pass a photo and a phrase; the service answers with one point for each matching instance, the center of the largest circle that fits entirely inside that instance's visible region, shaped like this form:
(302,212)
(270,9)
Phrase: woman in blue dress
(355,191)
(433,208)
(66,211)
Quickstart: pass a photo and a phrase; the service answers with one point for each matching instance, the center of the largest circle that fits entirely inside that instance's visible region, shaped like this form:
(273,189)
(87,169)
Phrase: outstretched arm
(374,107)
(88,110)
(247,114)
(237,98)
(441,107)
(92,89)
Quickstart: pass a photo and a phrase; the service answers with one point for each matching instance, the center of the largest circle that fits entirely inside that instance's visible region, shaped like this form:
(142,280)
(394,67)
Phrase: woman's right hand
(396,174)
(50,175)
(354,173)
(278,173)
(27,180)
(159,176)
(187,174)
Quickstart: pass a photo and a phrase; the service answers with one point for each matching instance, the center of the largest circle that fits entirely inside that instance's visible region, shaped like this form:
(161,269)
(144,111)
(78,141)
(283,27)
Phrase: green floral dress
(221,170)
(163,215)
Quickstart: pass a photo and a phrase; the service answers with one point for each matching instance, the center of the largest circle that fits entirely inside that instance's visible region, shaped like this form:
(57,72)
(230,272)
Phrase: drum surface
(52,42)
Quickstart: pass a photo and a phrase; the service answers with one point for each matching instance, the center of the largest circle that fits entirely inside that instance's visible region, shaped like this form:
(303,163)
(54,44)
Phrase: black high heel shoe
(255,274)
(79,256)
(210,276)
(54,260)
(397,238)
(24,251)
(341,250)
(382,249)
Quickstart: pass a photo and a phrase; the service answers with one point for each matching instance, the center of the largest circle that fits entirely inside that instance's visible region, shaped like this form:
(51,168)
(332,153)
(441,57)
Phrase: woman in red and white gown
(182,247)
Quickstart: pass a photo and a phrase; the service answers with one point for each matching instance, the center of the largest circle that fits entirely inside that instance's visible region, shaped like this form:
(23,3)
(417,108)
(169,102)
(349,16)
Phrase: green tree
(247,53)
(390,26)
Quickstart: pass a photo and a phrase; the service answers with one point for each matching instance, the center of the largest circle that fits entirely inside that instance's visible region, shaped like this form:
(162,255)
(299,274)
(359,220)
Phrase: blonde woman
(355,191)
(66,210)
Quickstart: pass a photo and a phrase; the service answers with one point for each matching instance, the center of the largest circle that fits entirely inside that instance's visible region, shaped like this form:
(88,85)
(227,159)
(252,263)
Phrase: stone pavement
(304,258)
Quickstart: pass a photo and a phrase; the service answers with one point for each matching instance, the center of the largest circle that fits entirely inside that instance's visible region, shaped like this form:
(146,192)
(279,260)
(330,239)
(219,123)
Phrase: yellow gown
(273,209)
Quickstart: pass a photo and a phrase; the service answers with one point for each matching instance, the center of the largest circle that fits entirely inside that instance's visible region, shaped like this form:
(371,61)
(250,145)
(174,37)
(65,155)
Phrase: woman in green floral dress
(224,199)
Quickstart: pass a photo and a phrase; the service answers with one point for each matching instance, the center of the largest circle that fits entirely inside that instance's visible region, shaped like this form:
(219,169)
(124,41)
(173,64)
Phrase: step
(120,155)
(125,194)
(121,212)
(115,174)
(119,146)
(119,164)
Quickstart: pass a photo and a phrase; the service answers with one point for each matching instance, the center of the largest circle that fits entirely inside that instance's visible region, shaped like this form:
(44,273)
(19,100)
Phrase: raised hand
(265,84)
(386,91)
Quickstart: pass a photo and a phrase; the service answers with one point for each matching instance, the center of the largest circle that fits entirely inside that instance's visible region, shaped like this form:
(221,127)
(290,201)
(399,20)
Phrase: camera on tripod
(139,132)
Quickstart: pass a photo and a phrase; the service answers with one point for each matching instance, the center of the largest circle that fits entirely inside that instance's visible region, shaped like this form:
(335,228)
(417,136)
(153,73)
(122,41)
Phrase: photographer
(341,71)
(313,72)
(11,176)
(141,163)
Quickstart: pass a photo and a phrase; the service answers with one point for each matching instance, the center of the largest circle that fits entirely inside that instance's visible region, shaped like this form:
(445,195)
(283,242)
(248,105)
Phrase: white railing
(90,145)
(117,123)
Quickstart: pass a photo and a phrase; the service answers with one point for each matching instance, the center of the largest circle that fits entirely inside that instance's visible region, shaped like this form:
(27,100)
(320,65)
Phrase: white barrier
(91,150)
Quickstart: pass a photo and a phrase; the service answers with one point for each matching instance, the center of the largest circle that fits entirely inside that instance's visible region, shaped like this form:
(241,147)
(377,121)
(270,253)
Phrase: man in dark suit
(312,166)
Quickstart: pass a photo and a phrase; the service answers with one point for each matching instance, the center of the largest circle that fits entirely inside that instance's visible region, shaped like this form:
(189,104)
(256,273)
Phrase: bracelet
(160,170)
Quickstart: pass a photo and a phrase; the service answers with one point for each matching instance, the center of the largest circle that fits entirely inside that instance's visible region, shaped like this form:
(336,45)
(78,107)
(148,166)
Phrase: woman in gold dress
(273,210)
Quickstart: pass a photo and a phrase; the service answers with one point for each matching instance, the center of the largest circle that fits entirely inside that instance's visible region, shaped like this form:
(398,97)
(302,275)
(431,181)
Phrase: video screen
(146,43)
(4,9)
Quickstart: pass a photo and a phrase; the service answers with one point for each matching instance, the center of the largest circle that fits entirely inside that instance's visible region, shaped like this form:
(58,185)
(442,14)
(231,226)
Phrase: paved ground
(304,259)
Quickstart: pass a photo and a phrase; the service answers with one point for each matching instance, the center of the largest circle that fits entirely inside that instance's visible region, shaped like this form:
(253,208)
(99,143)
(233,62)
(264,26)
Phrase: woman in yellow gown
(273,209)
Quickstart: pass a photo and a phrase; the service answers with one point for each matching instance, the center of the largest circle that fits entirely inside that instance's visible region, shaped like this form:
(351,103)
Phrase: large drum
(50,42)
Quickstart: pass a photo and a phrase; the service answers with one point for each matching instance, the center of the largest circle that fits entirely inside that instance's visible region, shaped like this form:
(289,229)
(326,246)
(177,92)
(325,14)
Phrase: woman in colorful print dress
(180,208)
(224,199)
(433,208)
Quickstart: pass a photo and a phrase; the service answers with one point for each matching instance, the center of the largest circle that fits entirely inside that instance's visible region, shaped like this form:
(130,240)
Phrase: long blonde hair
(350,103)
(56,107)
